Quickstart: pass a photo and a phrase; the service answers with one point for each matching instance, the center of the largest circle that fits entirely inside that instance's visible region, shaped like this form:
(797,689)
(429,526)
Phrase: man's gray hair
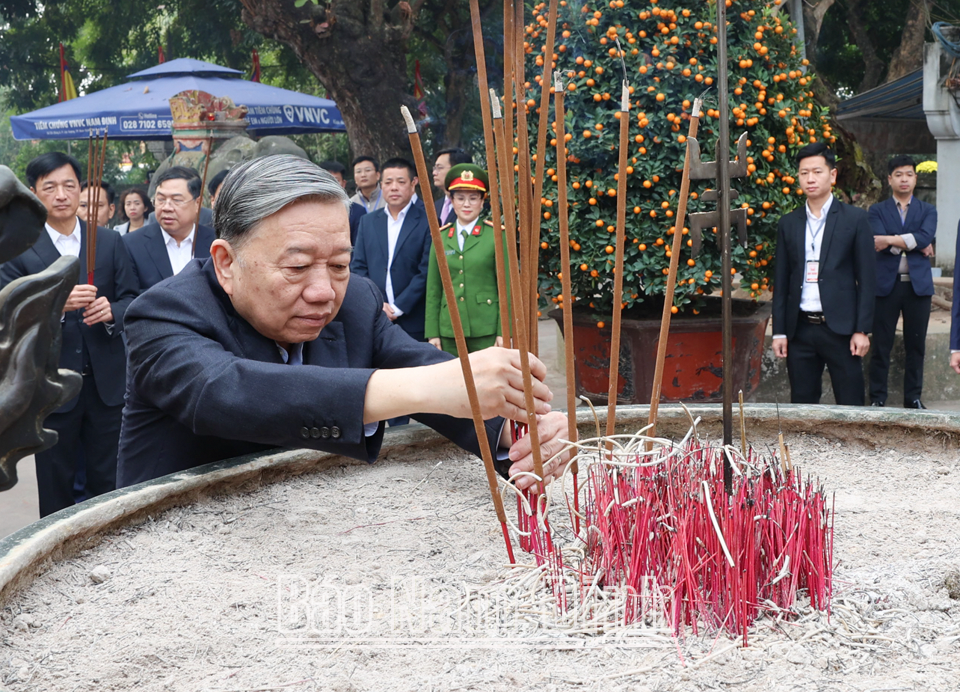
(262,187)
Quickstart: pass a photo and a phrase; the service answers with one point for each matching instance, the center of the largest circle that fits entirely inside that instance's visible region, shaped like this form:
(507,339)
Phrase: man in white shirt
(824,286)
(162,249)
(88,425)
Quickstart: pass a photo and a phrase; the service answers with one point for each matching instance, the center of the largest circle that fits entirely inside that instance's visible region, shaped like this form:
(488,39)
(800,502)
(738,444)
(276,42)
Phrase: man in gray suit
(271,343)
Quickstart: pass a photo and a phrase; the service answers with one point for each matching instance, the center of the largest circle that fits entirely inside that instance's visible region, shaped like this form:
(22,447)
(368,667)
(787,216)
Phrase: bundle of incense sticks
(665,516)
(96,154)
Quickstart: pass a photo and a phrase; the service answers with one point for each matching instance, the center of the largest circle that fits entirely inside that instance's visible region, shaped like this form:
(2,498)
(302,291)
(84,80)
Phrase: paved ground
(18,507)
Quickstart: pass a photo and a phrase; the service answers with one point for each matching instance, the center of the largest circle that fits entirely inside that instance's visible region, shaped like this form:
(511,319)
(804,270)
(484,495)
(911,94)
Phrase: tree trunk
(909,54)
(456,83)
(813,14)
(873,66)
(358,51)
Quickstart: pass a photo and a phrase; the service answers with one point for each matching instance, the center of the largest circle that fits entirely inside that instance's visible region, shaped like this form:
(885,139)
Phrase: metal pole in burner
(723,205)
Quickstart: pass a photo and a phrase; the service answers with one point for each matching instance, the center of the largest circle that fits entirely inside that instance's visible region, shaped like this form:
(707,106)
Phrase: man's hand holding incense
(98,311)
(552,429)
(80,297)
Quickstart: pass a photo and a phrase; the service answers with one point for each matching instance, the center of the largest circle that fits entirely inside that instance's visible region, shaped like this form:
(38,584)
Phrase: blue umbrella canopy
(140,109)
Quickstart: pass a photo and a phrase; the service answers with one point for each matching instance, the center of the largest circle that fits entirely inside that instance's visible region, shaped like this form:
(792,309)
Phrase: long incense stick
(528,272)
(515,295)
(672,275)
(91,220)
(618,265)
(537,213)
(478,424)
(504,152)
(509,50)
(97,182)
(498,233)
(566,290)
(203,185)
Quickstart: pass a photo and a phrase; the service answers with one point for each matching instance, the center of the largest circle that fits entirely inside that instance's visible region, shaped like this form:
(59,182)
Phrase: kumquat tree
(670,56)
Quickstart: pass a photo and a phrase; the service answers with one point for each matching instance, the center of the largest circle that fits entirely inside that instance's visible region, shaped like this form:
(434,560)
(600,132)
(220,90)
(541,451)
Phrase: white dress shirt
(464,231)
(181,253)
(393,234)
(812,242)
(65,244)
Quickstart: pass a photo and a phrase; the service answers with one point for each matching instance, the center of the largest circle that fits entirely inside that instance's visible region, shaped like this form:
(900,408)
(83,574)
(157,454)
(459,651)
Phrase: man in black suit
(393,248)
(89,424)
(446,159)
(824,286)
(160,250)
(904,229)
(272,343)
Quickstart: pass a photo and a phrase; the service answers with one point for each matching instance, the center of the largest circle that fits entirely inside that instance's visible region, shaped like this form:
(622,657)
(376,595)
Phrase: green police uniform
(474,274)
(473,271)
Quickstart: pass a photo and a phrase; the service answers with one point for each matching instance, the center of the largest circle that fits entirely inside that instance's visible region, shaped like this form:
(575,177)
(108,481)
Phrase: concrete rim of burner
(24,553)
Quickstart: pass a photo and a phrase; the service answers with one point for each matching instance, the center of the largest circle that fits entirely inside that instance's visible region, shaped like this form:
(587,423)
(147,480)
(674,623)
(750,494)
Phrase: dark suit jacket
(411,259)
(115,279)
(357,212)
(922,222)
(149,253)
(955,312)
(847,272)
(451,215)
(204,385)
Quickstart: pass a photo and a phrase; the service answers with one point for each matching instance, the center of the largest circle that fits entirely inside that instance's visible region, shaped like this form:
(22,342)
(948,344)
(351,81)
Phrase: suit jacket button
(461,256)
(335,432)
(305,433)
(461,285)
(461,271)
(315,433)
(461,299)
(325,432)
(489,302)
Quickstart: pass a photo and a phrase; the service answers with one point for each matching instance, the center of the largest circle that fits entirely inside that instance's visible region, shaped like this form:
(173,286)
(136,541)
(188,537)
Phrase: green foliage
(106,41)
(840,60)
(670,58)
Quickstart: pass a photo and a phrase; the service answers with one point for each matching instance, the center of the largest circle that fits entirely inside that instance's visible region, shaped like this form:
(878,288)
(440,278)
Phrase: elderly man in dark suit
(89,424)
(160,250)
(903,229)
(824,286)
(272,343)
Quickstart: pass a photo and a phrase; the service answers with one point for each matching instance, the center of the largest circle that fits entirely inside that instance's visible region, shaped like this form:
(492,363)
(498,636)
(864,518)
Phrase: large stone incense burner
(273,571)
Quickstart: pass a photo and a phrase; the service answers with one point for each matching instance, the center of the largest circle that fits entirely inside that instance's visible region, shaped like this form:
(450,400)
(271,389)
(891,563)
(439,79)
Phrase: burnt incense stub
(31,384)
